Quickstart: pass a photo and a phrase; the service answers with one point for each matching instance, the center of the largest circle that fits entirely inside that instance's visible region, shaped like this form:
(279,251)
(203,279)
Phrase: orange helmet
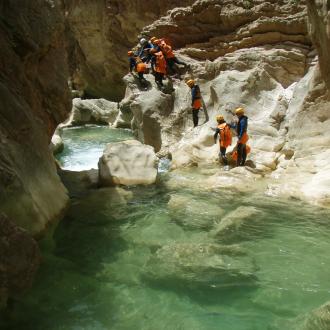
(130,53)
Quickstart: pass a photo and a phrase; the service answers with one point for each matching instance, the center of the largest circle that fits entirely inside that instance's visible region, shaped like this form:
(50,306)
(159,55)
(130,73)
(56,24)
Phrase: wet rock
(94,111)
(237,223)
(128,163)
(190,212)
(19,260)
(197,266)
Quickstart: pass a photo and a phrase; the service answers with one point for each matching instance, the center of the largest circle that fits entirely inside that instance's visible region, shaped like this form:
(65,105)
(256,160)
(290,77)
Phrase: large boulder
(128,163)
(19,260)
(94,111)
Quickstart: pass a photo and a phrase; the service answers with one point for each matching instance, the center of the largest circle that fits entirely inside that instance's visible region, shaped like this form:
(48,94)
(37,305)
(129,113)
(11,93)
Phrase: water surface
(148,258)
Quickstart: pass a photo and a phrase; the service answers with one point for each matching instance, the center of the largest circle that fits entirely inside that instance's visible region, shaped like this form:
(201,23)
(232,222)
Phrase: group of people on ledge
(163,62)
(159,55)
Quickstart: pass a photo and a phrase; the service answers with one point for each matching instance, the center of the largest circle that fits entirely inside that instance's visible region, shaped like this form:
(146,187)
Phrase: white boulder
(128,163)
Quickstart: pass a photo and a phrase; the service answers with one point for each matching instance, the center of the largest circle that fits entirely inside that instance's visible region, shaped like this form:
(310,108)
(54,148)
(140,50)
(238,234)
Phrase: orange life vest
(160,63)
(225,135)
(167,50)
(141,67)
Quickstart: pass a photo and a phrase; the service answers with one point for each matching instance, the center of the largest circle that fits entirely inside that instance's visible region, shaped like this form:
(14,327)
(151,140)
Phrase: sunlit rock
(56,144)
(128,163)
(96,111)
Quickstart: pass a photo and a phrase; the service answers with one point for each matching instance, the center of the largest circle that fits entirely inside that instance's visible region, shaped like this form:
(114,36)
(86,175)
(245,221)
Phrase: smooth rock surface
(93,111)
(128,163)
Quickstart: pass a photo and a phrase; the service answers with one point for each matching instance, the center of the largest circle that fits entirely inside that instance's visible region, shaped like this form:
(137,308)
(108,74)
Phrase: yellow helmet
(219,118)
(152,39)
(239,111)
(190,82)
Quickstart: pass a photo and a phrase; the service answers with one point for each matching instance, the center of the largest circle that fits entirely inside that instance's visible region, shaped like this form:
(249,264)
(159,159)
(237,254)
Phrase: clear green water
(83,146)
(117,263)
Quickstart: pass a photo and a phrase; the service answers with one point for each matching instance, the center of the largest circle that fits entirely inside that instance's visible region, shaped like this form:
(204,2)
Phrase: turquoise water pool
(159,257)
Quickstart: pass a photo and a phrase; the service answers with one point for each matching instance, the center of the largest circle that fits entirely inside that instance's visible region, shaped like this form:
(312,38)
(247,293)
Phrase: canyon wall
(34,99)
(101,34)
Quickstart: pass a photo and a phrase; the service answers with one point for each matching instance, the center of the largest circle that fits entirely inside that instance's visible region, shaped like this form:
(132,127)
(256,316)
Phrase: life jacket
(225,135)
(160,65)
(141,67)
(245,136)
(167,50)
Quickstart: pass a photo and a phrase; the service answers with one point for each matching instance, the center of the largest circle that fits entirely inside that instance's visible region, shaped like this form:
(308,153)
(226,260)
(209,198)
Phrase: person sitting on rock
(158,66)
(241,128)
(196,100)
(225,137)
(171,59)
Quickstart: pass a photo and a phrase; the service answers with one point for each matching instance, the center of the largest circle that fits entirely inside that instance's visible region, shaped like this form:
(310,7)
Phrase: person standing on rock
(171,59)
(158,66)
(225,138)
(241,128)
(196,100)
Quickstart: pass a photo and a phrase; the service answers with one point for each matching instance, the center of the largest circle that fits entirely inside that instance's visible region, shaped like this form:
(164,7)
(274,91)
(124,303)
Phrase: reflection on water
(162,258)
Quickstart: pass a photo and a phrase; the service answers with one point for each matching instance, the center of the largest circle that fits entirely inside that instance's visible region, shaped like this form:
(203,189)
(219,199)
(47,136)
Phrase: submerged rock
(319,319)
(128,163)
(19,260)
(190,212)
(231,226)
(200,266)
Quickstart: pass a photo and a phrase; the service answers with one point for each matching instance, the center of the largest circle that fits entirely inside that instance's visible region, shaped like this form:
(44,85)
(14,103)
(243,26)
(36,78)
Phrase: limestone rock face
(319,29)
(19,260)
(128,163)
(93,111)
(101,34)
(34,99)
(226,26)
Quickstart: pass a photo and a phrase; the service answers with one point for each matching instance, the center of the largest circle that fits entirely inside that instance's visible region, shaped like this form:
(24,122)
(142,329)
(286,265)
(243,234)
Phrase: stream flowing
(154,257)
